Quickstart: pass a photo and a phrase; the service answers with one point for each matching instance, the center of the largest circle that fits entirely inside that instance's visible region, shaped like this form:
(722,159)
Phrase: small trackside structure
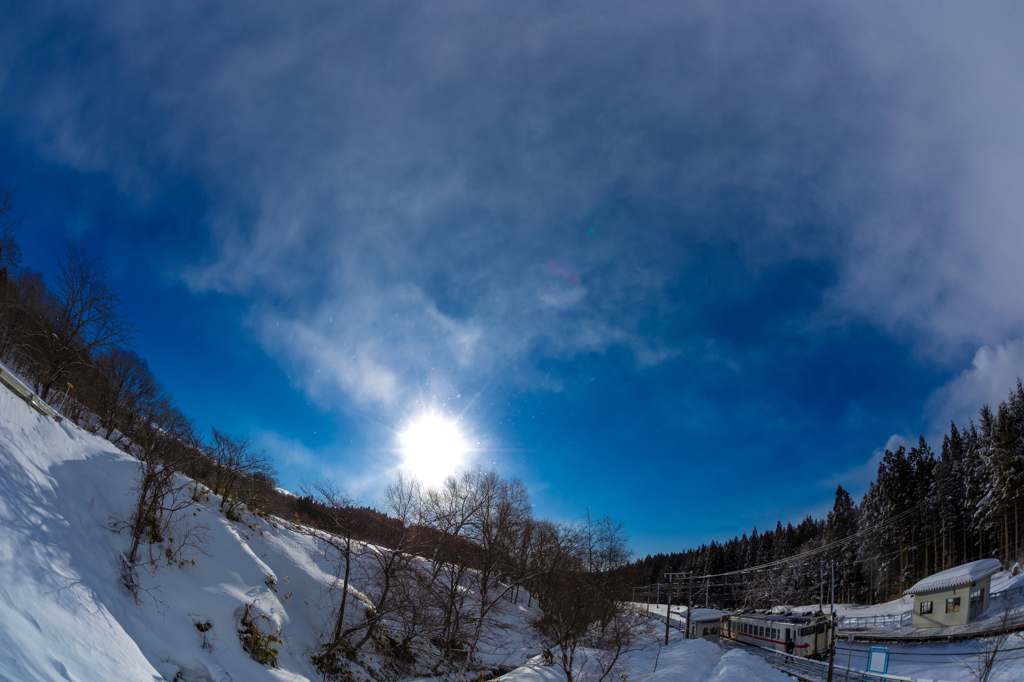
(705,624)
(955,596)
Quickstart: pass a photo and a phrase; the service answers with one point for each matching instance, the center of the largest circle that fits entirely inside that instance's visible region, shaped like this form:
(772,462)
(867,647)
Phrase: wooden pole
(832,628)
(668,609)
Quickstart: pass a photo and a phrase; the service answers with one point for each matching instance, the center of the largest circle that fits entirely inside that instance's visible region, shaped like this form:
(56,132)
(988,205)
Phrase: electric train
(800,634)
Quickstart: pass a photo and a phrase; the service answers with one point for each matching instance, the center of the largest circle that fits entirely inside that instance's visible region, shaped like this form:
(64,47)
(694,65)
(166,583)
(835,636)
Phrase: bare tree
(84,316)
(998,652)
(501,508)
(10,260)
(584,601)
(163,439)
(448,512)
(10,251)
(335,529)
(393,604)
(126,383)
(242,474)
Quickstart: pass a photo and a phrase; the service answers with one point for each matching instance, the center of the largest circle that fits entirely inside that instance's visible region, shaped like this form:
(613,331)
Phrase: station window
(926,607)
(953,605)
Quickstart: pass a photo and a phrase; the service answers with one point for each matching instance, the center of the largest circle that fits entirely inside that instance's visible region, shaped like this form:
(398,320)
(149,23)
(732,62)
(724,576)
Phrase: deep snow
(63,616)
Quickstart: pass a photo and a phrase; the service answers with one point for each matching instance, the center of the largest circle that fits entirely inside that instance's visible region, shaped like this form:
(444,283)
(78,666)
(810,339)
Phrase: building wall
(712,626)
(938,617)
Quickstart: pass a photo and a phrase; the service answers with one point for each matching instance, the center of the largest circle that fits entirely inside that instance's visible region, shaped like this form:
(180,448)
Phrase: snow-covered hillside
(63,615)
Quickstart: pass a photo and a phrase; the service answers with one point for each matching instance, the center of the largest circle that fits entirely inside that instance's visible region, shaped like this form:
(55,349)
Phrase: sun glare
(432,448)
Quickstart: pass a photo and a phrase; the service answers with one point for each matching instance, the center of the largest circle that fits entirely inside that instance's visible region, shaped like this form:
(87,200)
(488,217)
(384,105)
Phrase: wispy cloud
(433,197)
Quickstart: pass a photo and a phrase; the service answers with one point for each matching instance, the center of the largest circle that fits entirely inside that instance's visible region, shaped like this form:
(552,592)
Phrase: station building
(955,596)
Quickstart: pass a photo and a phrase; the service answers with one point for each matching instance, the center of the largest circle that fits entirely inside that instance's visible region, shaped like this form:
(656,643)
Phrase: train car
(803,634)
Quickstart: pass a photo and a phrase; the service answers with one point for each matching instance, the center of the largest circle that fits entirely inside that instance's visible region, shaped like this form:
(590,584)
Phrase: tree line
(923,513)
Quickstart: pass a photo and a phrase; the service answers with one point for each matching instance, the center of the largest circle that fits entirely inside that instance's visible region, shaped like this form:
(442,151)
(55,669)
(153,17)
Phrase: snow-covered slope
(63,615)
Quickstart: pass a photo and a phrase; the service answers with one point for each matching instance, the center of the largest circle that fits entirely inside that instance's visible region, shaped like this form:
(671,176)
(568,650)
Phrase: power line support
(832,625)
(668,609)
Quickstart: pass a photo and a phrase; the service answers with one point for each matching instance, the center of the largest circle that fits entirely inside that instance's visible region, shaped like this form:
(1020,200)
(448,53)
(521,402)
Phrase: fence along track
(817,671)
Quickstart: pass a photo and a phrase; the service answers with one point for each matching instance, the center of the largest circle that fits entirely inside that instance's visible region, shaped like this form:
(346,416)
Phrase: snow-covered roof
(956,577)
(700,615)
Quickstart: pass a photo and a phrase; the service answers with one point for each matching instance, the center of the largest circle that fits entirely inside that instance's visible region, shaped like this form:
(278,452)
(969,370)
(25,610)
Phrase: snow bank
(693,660)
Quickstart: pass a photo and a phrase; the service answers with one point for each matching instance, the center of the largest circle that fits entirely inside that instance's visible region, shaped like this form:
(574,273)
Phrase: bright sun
(433,449)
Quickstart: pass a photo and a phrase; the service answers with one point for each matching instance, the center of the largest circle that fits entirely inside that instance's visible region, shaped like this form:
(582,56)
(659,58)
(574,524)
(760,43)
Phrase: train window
(953,605)
(926,607)
(821,628)
(760,631)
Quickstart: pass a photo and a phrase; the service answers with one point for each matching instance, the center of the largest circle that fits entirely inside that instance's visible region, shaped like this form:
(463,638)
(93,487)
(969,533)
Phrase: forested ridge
(924,512)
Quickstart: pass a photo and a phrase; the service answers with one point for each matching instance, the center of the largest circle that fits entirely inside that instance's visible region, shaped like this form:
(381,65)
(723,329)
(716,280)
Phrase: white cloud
(992,375)
(857,479)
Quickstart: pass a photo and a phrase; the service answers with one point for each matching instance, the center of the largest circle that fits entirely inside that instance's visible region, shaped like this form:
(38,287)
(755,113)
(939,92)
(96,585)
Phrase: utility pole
(832,626)
(689,600)
(821,586)
(668,608)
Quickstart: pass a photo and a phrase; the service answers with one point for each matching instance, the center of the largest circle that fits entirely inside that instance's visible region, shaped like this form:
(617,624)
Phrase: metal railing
(818,670)
(1012,592)
(19,388)
(866,622)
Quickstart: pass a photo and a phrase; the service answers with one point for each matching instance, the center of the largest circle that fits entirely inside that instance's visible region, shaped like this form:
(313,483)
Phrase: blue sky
(688,264)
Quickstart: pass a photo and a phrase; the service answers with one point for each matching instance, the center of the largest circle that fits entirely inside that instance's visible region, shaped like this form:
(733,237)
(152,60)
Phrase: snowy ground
(945,661)
(62,614)
(694,660)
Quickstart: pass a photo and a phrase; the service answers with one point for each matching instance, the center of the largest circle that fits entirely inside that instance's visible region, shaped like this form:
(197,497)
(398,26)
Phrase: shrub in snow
(257,643)
(335,663)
